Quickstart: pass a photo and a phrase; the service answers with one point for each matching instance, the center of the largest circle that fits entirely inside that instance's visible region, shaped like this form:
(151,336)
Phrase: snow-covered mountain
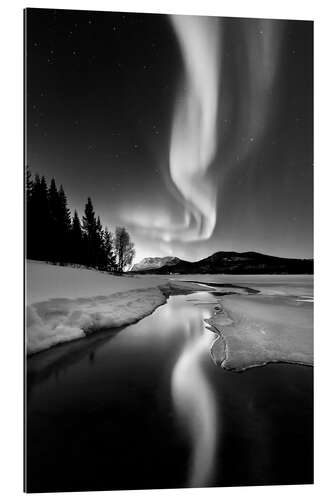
(226,263)
(155,263)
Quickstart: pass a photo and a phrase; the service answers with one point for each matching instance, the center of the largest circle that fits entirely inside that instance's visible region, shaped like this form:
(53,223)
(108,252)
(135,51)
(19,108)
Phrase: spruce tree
(89,225)
(65,214)
(89,219)
(76,240)
(52,234)
(110,259)
(54,230)
(28,185)
(99,246)
(33,228)
(64,226)
(28,213)
(41,219)
(53,199)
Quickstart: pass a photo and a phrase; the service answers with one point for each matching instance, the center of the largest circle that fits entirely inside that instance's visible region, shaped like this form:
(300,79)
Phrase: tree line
(53,234)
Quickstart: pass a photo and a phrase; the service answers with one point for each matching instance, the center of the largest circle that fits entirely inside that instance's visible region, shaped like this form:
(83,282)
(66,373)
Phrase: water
(146,407)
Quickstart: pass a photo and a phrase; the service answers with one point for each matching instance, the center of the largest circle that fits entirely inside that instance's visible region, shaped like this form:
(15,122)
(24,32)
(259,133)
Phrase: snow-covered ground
(47,281)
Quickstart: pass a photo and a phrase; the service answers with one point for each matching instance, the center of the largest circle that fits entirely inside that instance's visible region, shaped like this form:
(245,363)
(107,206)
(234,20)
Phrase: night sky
(115,111)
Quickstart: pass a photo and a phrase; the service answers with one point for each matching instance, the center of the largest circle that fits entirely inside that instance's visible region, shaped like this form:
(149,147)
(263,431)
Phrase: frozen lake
(146,406)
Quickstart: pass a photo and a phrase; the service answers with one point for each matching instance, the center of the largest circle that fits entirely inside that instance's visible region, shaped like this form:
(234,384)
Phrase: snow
(47,281)
(65,303)
(258,329)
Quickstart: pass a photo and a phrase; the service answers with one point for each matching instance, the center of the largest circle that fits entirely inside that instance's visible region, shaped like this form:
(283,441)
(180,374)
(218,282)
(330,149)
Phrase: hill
(227,263)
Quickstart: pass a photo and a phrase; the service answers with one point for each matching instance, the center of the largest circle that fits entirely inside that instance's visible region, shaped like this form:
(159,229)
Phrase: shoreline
(151,298)
(220,358)
(254,323)
(138,304)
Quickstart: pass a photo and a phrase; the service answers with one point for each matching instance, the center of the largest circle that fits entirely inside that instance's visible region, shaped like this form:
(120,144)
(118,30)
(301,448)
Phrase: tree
(54,229)
(29,220)
(99,246)
(76,241)
(28,185)
(64,212)
(53,235)
(89,219)
(53,197)
(65,223)
(59,224)
(110,258)
(124,248)
(89,225)
(41,219)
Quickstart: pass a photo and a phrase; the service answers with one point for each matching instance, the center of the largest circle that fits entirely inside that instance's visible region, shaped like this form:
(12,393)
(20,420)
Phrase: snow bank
(65,303)
(59,320)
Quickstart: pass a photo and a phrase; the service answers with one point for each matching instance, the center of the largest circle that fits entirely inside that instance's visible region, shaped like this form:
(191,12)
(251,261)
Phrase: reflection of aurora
(194,400)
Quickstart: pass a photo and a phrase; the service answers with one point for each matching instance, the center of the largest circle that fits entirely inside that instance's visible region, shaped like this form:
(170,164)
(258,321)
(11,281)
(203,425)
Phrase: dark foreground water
(145,407)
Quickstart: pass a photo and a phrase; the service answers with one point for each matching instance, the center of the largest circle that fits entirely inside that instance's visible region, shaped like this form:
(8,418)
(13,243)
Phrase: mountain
(226,263)
(154,263)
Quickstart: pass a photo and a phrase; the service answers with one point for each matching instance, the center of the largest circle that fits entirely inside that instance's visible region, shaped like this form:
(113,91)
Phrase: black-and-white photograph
(168,174)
